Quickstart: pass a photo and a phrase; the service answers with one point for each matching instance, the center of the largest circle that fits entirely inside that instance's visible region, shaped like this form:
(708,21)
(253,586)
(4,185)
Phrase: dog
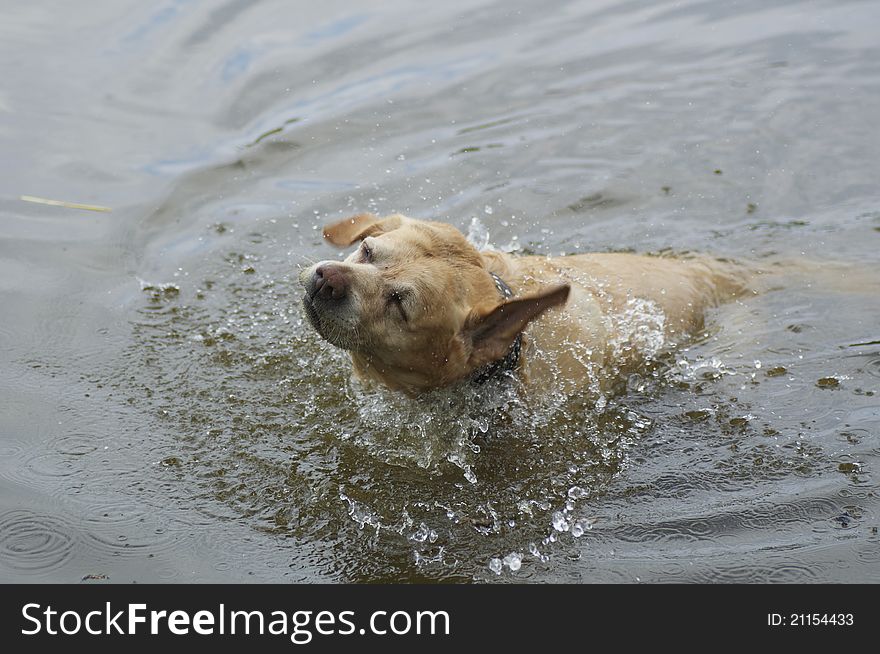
(418,307)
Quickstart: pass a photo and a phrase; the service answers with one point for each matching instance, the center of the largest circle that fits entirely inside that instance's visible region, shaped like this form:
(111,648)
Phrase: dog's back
(623,309)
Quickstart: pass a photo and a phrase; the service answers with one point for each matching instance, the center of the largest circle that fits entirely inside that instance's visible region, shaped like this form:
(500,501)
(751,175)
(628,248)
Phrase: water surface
(167,414)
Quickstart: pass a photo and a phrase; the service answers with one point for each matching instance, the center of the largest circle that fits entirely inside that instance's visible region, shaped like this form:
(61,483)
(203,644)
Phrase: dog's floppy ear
(358,227)
(492,334)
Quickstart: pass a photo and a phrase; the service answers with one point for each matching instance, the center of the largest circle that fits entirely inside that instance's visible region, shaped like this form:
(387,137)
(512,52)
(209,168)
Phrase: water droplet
(576,493)
(421,534)
(495,566)
(513,561)
(560,523)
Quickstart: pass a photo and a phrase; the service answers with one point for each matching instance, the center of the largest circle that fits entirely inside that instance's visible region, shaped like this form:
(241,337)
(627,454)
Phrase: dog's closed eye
(396,301)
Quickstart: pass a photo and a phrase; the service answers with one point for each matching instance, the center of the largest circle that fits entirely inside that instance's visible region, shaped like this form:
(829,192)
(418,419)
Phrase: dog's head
(414,304)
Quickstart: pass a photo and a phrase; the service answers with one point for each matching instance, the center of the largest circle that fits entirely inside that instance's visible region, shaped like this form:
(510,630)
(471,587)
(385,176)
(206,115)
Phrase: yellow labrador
(418,307)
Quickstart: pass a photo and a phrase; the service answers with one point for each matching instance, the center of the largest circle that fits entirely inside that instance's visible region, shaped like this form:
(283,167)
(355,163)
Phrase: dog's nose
(329,282)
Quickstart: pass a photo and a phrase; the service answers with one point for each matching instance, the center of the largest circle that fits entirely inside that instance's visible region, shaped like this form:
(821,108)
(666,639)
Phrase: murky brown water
(165,413)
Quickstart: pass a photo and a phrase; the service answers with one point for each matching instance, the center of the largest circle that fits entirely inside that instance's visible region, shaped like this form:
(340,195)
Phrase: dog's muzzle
(327,302)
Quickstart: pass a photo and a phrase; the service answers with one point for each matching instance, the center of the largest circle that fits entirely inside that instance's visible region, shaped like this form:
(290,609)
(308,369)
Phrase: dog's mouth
(329,328)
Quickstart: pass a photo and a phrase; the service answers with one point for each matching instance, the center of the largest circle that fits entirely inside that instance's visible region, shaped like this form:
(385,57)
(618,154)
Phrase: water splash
(478,235)
(638,330)
(437,428)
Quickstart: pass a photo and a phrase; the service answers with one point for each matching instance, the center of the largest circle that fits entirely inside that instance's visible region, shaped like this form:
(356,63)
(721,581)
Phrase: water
(165,413)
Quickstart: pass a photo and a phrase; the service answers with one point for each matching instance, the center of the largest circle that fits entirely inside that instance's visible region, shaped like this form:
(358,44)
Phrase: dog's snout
(329,281)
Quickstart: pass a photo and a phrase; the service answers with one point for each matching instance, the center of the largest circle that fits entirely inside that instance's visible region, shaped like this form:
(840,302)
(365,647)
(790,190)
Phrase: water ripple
(33,542)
